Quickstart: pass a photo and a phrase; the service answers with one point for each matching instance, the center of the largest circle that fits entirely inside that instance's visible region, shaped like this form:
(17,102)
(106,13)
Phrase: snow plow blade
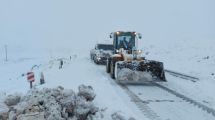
(139,72)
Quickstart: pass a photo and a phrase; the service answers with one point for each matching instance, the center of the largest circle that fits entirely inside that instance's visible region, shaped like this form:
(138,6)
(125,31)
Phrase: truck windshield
(105,47)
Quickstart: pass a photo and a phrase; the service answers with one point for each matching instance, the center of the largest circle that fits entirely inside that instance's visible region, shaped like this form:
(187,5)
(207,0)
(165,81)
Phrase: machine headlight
(98,58)
(139,51)
(117,32)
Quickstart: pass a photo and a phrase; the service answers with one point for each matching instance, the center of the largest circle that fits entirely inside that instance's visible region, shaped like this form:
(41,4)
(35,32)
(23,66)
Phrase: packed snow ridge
(54,104)
(51,104)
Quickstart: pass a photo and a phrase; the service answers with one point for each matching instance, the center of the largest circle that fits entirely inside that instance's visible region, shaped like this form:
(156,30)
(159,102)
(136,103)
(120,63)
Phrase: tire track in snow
(182,75)
(140,104)
(147,111)
(187,99)
(183,97)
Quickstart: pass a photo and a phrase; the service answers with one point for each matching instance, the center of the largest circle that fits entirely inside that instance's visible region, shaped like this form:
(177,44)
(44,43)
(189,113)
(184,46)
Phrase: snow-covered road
(168,106)
(109,95)
(158,104)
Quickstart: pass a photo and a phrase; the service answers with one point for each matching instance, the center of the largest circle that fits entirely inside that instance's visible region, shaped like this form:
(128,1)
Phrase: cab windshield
(126,42)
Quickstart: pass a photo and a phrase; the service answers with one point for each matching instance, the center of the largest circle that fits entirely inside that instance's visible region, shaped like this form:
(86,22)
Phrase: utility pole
(5,52)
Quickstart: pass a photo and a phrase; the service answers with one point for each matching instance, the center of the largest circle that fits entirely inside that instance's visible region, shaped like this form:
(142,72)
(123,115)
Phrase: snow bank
(87,92)
(12,99)
(55,104)
(120,116)
(51,104)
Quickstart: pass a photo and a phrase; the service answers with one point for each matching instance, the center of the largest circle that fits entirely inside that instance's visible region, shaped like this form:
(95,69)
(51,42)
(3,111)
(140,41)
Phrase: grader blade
(139,71)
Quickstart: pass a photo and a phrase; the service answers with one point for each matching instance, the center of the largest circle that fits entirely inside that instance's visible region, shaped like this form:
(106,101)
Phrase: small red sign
(30,76)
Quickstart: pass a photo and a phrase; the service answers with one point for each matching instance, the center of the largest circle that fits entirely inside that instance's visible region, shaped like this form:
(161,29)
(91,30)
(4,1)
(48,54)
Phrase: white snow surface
(181,34)
(80,70)
(109,96)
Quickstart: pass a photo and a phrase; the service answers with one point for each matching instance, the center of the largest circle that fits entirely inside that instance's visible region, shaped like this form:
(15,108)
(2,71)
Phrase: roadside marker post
(30,78)
(42,79)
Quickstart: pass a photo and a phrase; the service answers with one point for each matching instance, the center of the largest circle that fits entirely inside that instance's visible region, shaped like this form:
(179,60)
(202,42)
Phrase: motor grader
(127,65)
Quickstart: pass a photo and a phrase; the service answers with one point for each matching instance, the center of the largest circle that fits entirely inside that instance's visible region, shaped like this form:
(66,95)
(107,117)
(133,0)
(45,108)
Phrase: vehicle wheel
(95,61)
(163,77)
(112,72)
(108,66)
(91,56)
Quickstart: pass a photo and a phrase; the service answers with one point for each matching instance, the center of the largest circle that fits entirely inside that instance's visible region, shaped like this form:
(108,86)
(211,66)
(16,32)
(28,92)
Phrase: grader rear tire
(112,71)
(108,66)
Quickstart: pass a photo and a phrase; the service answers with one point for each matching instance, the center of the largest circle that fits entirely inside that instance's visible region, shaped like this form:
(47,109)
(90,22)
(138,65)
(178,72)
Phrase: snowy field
(80,70)
(181,34)
(109,96)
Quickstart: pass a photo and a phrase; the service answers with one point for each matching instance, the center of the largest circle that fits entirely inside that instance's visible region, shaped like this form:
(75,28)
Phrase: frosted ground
(179,33)
(109,96)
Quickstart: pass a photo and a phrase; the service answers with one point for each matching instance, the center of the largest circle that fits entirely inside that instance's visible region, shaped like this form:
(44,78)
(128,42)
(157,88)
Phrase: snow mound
(51,104)
(120,116)
(12,99)
(126,74)
(87,92)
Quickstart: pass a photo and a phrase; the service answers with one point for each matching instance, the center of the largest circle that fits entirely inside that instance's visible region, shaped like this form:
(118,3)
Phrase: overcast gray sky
(59,23)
